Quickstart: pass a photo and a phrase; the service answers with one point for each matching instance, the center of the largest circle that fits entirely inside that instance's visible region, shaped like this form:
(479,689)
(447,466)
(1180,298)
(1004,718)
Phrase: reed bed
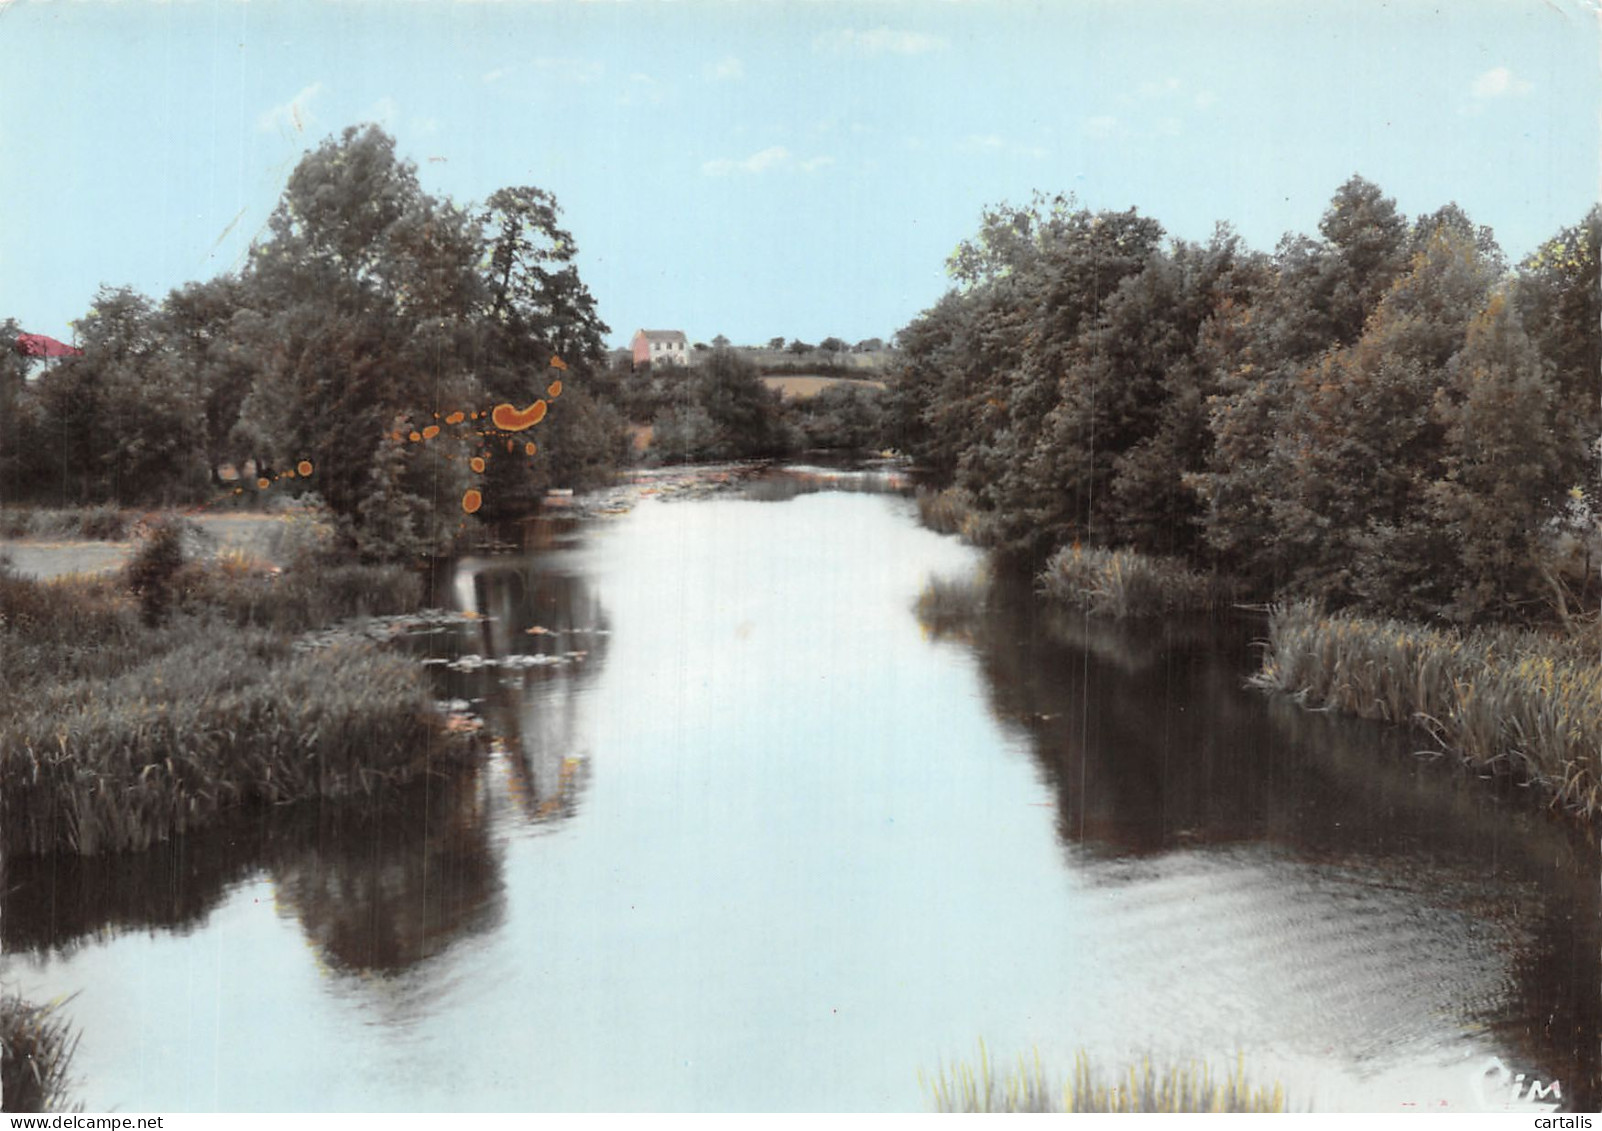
(1123,583)
(955,511)
(1026,1087)
(1512,701)
(36,1050)
(117,732)
(249,592)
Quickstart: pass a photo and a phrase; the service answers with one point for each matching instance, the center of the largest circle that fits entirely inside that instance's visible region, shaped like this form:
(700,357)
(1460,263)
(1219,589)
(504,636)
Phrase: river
(759,835)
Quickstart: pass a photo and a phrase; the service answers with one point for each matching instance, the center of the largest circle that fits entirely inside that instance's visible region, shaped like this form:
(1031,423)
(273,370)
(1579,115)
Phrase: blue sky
(761,169)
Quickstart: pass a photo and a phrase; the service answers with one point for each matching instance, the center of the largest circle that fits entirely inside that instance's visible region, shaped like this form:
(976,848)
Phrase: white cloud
(975,142)
(726,69)
(1205,100)
(495,76)
(1102,125)
(878,41)
(293,115)
(1499,82)
(775,158)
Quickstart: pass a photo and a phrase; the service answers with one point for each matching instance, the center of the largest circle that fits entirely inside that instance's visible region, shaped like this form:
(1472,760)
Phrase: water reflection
(1318,855)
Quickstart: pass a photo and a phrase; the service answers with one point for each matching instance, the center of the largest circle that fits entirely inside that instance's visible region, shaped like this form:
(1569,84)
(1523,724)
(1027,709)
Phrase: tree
(775,343)
(720,342)
(1500,471)
(725,411)
(798,347)
(535,288)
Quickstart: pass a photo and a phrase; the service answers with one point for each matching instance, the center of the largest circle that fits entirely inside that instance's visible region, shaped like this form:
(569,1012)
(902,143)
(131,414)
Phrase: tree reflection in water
(1167,772)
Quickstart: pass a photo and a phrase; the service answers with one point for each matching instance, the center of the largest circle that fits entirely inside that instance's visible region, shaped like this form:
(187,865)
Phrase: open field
(799,386)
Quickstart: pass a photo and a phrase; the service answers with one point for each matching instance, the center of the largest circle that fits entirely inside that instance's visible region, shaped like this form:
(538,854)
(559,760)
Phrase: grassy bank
(1123,583)
(1026,1087)
(1512,701)
(36,1048)
(126,718)
(103,523)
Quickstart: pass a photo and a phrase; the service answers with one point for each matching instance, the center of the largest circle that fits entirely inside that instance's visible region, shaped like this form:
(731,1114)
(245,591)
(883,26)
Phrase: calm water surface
(762,836)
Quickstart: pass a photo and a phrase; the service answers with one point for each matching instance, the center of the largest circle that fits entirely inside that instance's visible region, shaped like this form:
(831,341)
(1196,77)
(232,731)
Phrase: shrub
(154,566)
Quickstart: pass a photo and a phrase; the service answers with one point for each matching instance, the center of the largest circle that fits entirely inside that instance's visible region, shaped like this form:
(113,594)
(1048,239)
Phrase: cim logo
(1499,1086)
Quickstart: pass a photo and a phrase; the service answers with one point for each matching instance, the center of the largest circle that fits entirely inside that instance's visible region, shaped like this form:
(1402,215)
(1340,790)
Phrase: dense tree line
(1384,416)
(368,310)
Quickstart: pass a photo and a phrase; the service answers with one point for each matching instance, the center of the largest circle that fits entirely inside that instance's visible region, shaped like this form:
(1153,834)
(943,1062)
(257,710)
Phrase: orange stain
(472,500)
(510,419)
(476,463)
(263,483)
(396,436)
(415,436)
(530,448)
(304,467)
(557,363)
(454,418)
(555,389)
(431,431)
(511,446)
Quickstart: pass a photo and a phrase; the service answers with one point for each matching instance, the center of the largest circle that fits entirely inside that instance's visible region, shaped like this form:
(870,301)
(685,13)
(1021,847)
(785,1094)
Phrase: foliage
(154,567)
(368,305)
(844,415)
(1372,416)
(723,411)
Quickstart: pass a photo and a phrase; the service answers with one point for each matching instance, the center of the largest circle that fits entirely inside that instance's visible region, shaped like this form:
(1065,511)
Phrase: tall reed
(36,1049)
(1124,583)
(1026,1087)
(1510,700)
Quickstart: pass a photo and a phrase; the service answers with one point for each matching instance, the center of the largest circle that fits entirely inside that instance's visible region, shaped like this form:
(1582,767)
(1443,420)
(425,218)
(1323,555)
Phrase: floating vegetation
(36,1049)
(1026,1087)
(1508,700)
(1123,583)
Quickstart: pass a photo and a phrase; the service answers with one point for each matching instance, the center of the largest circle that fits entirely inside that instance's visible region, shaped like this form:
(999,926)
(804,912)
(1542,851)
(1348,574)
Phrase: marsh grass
(1123,583)
(955,511)
(1026,1087)
(36,1050)
(117,733)
(103,523)
(1511,701)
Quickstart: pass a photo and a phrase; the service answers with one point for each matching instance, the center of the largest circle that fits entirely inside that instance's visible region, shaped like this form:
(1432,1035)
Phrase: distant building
(659,346)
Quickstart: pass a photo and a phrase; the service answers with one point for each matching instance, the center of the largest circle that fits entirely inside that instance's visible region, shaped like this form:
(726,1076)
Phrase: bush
(154,566)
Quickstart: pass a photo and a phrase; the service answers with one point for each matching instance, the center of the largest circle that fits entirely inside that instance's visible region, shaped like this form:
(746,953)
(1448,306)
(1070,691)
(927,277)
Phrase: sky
(762,169)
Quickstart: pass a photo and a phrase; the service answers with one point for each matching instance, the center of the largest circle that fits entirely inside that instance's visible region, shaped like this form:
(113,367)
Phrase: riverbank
(143,703)
(1509,701)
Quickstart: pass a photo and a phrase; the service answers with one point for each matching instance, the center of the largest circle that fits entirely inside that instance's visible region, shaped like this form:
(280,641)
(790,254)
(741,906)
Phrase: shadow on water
(1155,751)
